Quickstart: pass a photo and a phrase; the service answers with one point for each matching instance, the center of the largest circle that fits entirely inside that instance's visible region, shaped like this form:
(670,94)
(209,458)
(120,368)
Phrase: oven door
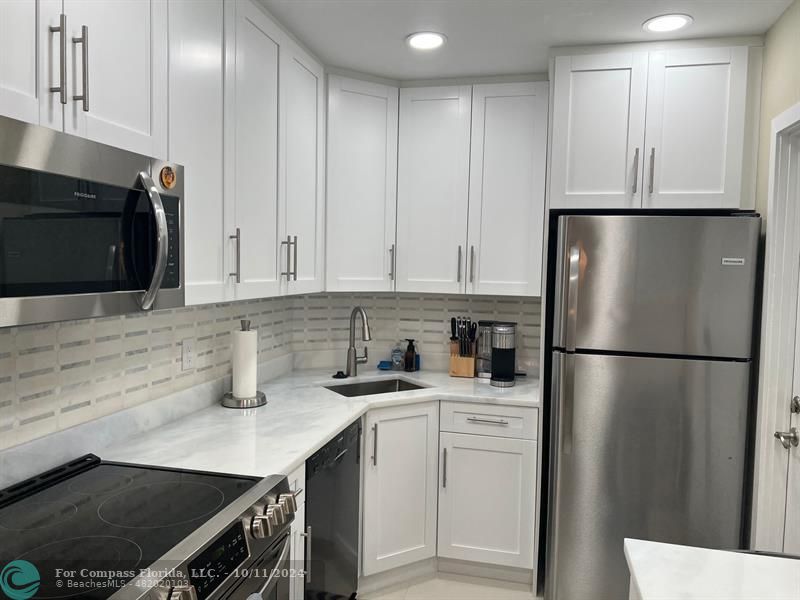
(267,576)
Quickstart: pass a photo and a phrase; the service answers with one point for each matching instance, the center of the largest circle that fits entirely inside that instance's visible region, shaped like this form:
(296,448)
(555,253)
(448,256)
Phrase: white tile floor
(455,587)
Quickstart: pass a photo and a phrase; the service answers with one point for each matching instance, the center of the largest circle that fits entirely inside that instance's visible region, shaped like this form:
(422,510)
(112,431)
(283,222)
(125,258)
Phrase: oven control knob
(275,514)
(261,527)
(183,592)
(288,502)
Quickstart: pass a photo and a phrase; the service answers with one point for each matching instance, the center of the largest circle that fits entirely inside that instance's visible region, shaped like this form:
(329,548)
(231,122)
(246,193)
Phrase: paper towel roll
(245,363)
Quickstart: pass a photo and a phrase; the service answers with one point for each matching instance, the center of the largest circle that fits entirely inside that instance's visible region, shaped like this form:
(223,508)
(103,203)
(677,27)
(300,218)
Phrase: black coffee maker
(504,354)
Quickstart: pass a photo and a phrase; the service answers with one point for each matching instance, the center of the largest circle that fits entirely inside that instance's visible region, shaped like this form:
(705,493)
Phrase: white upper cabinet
(18,53)
(120,71)
(400,486)
(433,186)
(598,131)
(251,133)
(695,128)
(196,69)
(362,178)
(507,187)
(301,155)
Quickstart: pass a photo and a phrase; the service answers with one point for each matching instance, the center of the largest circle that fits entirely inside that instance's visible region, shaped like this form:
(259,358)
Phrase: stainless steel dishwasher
(332,496)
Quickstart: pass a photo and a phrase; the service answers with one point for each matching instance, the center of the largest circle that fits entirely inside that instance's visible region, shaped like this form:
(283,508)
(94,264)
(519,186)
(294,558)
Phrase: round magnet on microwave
(168,177)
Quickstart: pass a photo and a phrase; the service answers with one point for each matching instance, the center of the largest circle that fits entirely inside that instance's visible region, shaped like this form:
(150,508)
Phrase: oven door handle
(162,241)
(259,595)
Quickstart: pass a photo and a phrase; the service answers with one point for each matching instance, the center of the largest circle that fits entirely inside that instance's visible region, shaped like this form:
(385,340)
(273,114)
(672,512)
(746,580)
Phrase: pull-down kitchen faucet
(353,359)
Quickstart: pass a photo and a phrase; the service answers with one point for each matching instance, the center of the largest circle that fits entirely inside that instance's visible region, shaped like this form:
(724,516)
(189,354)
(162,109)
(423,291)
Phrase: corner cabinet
(400,486)
(661,129)
(362,185)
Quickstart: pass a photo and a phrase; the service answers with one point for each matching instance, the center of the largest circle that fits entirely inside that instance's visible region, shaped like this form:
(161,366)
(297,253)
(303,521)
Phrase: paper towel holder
(231,401)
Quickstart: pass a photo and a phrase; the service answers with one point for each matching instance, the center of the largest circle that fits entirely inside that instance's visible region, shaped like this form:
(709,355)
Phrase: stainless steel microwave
(86,230)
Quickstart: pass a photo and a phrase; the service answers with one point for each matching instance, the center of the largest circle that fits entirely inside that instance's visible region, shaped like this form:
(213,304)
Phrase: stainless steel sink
(368,388)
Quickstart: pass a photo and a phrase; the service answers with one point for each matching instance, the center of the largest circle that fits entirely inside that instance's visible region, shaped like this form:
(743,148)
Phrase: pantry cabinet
(507,186)
(18,52)
(400,486)
(362,180)
(433,188)
(661,129)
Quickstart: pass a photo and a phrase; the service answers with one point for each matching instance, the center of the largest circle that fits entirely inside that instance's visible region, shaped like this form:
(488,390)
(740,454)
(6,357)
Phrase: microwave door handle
(162,241)
(259,595)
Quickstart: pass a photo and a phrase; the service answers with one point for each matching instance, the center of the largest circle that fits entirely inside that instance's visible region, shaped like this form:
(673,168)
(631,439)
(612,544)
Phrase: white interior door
(506,192)
(126,62)
(433,189)
(301,152)
(252,159)
(598,130)
(362,185)
(695,128)
(18,60)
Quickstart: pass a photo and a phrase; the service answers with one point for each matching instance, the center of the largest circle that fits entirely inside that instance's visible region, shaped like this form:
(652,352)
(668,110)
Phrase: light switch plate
(187,354)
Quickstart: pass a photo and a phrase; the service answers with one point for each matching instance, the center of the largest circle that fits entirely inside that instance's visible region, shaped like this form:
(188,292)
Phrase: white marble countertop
(300,417)
(670,572)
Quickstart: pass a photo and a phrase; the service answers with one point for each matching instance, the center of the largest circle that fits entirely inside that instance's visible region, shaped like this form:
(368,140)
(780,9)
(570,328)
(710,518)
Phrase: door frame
(779,329)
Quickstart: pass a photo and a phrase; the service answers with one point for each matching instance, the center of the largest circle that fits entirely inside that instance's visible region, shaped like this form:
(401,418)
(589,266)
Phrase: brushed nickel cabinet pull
(636,170)
(61,88)
(458,274)
(84,42)
(238,272)
(652,168)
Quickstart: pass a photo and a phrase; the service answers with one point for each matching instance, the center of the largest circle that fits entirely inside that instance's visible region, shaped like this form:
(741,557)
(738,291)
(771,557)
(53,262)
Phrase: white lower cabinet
(486,499)
(400,486)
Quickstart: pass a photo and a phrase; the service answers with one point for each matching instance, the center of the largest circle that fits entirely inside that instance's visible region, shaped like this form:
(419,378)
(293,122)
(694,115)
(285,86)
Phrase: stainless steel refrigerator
(652,338)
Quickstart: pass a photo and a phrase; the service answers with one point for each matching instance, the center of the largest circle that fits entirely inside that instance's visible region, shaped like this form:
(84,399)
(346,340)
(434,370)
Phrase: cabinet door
(301,153)
(695,128)
(499,532)
(18,60)
(400,486)
(195,141)
(362,185)
(297,555)
(125,60)
(598,131)
(251,133)
(433,187)
(506,196)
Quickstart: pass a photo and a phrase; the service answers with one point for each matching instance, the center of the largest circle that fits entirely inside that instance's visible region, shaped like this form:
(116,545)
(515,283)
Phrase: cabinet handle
(458,276)
(238,272)
(375,445)
(61,88)
(288,243)
(488,421)
(636,170)
(652,168)
(294,261)
(84,42)
(391,263)
(307,535)
(472,264)
(444,468)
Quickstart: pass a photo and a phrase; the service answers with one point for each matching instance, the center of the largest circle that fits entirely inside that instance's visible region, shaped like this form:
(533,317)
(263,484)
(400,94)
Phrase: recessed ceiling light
(425,40)
(666,23)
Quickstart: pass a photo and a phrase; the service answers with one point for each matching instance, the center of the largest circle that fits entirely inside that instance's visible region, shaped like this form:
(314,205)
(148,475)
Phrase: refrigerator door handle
(573,286)
(567,403)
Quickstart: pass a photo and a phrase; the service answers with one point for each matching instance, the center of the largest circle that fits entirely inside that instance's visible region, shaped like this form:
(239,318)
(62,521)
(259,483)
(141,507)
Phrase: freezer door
(682,285)
(648,448)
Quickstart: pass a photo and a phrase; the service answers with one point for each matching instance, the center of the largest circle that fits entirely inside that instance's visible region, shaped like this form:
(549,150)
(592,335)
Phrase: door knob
(788,438)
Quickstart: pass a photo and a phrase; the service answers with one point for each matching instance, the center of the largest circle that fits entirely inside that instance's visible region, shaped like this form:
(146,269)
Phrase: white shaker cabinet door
(362,178)
(18,60)
(695,128)
(598,131)
(433,188)
(121,70)
(195,141)
(507,181)
(251,132)
(400,488)
(301,152)
(473,527)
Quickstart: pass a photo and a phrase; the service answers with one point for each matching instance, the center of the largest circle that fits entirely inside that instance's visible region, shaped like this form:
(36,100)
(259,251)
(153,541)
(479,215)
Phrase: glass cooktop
(90,533)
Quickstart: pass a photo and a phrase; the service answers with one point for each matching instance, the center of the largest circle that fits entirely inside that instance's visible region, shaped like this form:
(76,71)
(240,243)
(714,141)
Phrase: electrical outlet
(187,354)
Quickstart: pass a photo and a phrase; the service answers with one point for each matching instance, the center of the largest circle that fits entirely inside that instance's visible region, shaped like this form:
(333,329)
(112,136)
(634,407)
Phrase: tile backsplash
(58,375)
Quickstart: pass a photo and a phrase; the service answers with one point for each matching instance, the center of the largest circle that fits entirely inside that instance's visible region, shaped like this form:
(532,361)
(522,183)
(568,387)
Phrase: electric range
(95,530)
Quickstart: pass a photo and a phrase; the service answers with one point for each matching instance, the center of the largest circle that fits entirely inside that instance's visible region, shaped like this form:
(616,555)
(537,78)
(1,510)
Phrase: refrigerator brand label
(732,262)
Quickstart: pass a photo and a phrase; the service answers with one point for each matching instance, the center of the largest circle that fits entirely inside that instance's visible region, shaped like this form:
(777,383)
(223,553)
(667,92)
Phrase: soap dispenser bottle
(410,357)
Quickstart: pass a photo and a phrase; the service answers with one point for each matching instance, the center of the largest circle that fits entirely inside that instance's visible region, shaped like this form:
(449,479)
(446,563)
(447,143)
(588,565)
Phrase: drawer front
(490,419)
(297,481)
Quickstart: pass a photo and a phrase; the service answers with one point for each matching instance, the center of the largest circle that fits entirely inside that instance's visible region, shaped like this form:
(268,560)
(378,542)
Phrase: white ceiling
(494,37)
